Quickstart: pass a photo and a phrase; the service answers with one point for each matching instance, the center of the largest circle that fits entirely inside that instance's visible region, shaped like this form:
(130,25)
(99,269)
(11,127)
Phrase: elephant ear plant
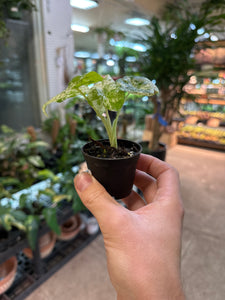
(104,94)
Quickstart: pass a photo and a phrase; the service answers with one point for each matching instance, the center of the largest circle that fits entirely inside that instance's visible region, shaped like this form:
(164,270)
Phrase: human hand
(142,241)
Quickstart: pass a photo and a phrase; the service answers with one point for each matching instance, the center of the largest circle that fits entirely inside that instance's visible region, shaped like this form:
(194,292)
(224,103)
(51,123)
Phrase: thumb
(95,197)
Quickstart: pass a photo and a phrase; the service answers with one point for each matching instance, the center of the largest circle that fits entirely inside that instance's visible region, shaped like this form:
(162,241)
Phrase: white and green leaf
(36,161)
(73,88)
(114,96)
(137,85)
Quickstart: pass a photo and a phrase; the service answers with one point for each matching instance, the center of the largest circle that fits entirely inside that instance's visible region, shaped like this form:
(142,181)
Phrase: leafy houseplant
(169,59)
(104,94)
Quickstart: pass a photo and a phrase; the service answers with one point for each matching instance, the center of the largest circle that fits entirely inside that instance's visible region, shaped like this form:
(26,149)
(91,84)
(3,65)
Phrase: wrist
(171,290)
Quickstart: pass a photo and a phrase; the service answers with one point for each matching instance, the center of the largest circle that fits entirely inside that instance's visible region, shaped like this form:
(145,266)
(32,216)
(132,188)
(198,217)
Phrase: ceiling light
(79,28)
(138,47)
(200,31)
(214,38)
(192,26)
(137,22)
(206,35)
(95,56)
(82,54)
(84,4)
(130,59)
(126,44)
(110,62)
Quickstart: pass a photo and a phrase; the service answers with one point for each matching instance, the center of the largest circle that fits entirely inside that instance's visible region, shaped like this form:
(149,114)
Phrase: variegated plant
(104,94)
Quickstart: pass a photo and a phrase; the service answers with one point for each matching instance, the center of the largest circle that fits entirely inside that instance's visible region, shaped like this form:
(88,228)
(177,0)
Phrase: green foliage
(50,215)
(104,94)
(171,42)
(20,160)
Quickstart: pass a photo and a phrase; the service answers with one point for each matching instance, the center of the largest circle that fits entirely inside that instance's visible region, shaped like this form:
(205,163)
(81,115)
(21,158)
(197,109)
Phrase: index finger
(167,177)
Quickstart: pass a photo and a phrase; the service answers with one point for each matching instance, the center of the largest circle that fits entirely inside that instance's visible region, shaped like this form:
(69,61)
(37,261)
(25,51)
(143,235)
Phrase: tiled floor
(202,174)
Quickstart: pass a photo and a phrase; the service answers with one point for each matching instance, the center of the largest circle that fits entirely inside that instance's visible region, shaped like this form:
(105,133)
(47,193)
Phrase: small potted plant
(111,161)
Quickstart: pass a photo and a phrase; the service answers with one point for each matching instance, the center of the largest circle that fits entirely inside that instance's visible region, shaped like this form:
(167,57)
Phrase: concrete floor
(202,174)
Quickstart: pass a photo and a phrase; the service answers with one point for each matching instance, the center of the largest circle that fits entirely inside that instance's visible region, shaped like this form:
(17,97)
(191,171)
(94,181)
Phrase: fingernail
(83,180)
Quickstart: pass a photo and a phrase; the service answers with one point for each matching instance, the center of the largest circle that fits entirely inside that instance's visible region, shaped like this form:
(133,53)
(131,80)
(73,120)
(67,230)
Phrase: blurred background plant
(171,42)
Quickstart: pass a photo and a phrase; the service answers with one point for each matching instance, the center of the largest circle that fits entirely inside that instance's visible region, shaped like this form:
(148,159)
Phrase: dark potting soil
(102,150)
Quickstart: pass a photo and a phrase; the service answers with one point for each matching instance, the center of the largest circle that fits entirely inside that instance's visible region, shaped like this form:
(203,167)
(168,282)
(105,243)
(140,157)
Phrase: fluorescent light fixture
(206,35)
(82,54)
(192,26)
(173,36)
(79,28)
(95,56)
(200,31)
(214,38)
(107,56)
(84,4)
(137,21)
(131,59)
(138,47)
(145,98)
(135,46)
(110,62)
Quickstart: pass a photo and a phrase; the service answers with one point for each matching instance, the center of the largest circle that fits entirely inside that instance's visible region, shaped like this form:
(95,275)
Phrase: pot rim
(160,144)
(13,261)
(113,159)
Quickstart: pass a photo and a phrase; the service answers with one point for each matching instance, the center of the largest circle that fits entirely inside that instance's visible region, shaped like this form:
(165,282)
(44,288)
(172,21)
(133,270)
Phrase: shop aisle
(202,174)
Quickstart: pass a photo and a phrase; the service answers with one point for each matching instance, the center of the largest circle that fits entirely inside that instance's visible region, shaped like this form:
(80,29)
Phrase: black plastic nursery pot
(160,153)
(115,174)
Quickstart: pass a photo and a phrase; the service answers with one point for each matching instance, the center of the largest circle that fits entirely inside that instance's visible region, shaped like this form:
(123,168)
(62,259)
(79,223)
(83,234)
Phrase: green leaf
(19,215)
(22,200)
(114,96)
(73,88)
(38,144)
(86,79)
(4,210)
(36,161)
(95,98)
(32,225)
(58,198)
(8,221)
(78,204)
(47,174)
(6,181)
(47,192)
(137,85)
(50,216)
(6,129)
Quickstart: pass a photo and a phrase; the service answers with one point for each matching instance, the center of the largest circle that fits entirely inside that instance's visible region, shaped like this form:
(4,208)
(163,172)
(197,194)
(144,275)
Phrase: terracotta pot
(116,175)
(70,228)
(7,274)
(46,245)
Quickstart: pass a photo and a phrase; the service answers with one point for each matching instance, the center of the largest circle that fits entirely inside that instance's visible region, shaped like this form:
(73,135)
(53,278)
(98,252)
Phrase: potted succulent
(171,42)
(111,157)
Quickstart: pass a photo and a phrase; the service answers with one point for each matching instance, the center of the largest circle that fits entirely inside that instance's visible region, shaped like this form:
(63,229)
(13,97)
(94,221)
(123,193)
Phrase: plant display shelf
(31,273)
(200,143)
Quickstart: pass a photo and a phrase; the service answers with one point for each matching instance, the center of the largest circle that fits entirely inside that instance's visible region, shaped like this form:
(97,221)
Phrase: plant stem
(114,128)
(112,135)
(107,123)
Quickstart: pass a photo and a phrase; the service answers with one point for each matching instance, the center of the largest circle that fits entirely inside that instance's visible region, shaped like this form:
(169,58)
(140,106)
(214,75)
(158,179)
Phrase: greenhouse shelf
(31,273)
(27,280)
